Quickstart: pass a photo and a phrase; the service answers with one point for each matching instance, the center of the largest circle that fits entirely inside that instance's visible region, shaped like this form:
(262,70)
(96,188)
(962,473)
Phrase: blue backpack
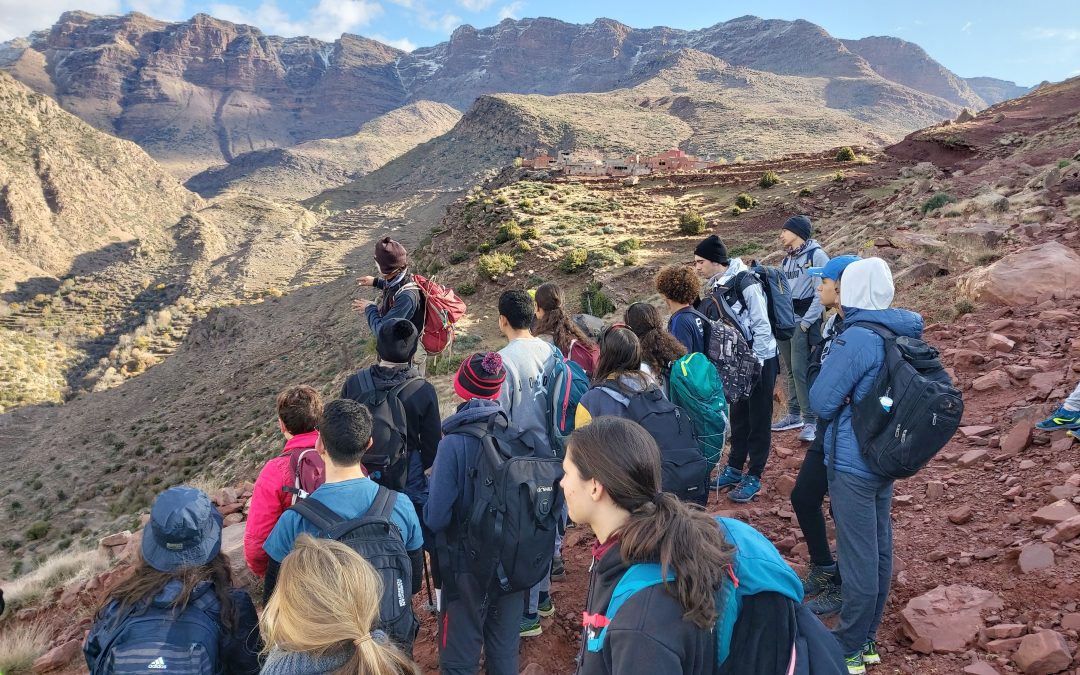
(757,568)
(154,637)
(695,386)
(565,382)
(778,298)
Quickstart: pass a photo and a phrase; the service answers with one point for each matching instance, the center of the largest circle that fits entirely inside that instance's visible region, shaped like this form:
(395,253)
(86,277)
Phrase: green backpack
(694,386)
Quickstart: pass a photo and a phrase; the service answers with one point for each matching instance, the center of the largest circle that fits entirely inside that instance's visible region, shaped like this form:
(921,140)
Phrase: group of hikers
(619,428)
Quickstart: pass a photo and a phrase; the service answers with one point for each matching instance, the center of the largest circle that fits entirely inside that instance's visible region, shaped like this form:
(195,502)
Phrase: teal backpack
(694,386)
(757,568)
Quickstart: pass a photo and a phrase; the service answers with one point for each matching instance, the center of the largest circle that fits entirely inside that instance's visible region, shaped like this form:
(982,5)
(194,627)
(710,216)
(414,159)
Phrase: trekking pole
(427,584)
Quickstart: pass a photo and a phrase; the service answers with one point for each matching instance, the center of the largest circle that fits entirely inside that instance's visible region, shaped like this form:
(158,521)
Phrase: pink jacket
(269,501)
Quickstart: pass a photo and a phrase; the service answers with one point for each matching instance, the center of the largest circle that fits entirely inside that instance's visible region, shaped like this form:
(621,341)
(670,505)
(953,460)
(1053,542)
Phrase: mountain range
(201,93)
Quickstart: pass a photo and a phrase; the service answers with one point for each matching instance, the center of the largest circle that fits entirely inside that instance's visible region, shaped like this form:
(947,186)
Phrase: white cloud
(476,5)
(966,28)
(404,44)
(19,18)
(1066,34)
(326,21)
(512,11)
(444,23)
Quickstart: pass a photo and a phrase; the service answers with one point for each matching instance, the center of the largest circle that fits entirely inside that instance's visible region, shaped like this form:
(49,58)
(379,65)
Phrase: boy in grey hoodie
(751,418)
(803,252)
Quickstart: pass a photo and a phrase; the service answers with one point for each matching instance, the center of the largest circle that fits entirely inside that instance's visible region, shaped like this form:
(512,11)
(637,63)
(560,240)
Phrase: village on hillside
(618,167)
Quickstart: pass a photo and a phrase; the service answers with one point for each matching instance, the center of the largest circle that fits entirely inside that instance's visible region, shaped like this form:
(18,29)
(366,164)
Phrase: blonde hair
(326,600)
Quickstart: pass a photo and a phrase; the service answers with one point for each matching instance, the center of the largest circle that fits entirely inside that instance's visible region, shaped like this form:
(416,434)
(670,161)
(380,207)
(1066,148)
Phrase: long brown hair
(620,355)
(327,600)
(624,458)
(146,582)
(658,347)
(556,320)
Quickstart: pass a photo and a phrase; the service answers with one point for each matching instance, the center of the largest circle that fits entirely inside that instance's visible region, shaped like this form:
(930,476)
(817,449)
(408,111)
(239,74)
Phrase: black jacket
(648,634)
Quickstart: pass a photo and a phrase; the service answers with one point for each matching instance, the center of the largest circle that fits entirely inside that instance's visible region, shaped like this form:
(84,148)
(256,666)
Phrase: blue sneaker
(728,478)
(530,626)
(1061,419)
(870,654)
(855,664)
(746,489)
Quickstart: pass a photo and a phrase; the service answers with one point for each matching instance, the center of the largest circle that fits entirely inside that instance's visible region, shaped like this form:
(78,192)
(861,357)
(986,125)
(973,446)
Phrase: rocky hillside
(202,92)
(311,167)
(71,197)
(993,90)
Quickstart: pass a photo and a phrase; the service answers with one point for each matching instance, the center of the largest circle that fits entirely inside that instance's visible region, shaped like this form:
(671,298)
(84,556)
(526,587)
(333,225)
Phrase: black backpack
(385,460)
(377,538)
(684,469)
(728,349)
(925,412)
(509,537)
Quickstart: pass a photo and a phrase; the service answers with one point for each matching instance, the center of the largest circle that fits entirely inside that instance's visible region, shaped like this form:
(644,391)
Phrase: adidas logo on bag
(157,664)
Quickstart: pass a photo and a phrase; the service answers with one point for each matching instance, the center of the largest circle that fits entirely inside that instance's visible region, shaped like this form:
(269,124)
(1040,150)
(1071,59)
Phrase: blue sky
(1011,40)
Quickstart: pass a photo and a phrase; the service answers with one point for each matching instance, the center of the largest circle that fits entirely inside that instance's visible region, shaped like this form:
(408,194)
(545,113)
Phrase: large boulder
(948,617)
(1026,277)
(232,545)
(1043,653)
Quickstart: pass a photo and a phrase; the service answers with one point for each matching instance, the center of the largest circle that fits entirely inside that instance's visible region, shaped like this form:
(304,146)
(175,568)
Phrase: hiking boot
(808,433)
(558,569)
(530,626)
(745,490)
(827,602)
(870,654)
(855,664)
(819,578)
(728,477)
(1061,419)
(546,607)
(787,423)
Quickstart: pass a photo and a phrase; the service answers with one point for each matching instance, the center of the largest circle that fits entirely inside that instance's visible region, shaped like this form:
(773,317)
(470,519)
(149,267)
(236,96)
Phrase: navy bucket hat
(184,530)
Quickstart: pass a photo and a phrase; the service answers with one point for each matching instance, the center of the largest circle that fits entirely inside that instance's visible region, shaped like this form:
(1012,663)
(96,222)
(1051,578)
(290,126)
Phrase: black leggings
(807,497)
(751,423)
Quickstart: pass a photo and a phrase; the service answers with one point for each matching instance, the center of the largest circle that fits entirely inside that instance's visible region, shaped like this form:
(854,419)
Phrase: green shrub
(484,248)
(768,179)
(603,256)
(531,233)
(805,192)
(508,231)
(595,302)
(574,260)
(937,201)
(631,259)
(745,201)
(735,210)
(458,257)
(846,154)
(550,246)
(838,177)
(495,264)
(691,222)
(963,307)
(37,530)
(627,245)
(501,200)
(526,204)
(466,289)
(522,247)
(1063,163)
(739,250)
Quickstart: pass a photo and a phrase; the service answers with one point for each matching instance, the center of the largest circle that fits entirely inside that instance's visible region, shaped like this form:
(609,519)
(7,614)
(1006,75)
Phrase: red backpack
(584,355)
(442,309)
(308,472)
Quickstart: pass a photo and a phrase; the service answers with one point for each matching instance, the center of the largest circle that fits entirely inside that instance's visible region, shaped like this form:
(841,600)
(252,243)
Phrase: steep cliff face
(910,65)
(69,193)
(200,92)
(993,90)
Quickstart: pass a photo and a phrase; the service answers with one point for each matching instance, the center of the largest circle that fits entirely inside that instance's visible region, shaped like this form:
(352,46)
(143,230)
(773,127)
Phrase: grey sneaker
(828,602)
(819,578)
(808,433)
(787,422)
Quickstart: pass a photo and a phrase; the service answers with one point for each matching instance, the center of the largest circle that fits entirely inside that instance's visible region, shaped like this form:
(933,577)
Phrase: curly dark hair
(658,347)
(678,283)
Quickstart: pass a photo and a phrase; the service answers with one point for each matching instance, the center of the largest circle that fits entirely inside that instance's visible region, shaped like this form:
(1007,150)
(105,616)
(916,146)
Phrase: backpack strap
(367,382)
(877,328)
(318,514)
(383,506)
(636,578)
(296,457)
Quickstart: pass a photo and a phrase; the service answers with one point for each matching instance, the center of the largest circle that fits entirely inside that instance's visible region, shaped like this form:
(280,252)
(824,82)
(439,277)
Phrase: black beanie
(396,341)
(713,250)
(800,225)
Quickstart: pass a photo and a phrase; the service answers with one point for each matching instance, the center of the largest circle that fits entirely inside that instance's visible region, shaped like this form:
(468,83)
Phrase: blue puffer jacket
(847,374)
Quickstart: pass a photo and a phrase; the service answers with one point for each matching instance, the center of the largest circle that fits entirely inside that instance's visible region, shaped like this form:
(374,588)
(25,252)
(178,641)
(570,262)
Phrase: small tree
(691,222)
(745,201)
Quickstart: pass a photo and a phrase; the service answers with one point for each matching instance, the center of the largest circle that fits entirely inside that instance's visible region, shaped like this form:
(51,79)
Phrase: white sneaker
(808,433)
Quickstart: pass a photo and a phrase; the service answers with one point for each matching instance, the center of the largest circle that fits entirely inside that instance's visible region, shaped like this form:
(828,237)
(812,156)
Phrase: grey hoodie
(803,285)
(755,317)
(523,395)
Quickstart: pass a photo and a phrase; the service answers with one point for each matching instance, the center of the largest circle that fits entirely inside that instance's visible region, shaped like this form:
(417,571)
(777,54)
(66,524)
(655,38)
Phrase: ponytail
(658,347)
(624,458)
(326,600)
(556,321)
